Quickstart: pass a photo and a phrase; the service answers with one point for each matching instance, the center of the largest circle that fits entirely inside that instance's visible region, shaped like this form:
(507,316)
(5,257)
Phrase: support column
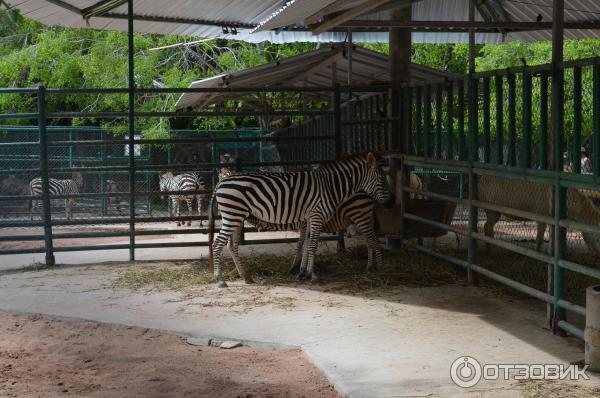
(131,123)
(555,161)
(400,45)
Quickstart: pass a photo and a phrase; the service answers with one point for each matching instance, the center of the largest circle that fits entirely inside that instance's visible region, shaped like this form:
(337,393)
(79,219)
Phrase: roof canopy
(236,19)
(321,67)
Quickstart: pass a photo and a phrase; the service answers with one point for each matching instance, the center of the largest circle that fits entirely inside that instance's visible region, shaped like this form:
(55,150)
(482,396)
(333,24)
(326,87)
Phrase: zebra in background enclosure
(72,186)
(188,181)
(292,197)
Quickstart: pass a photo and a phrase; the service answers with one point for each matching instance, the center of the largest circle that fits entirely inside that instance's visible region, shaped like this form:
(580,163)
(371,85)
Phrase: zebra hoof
(314,278)
(221,284)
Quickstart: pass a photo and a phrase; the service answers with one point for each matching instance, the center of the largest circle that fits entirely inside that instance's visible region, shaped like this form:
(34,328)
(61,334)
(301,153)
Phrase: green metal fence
(132,162)
(494,124)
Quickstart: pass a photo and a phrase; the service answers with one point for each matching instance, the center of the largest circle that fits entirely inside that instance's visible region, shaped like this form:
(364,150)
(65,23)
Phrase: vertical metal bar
(427,120)
(439,99)
(486,120)
(526,144)
(43,140)
(461,121)
(350,50)
(131,123)
(449,120)
(499,120)
(596,116)
(419,124)
(576,119)
(544,121)
(512,119)
(337,120)
(407,113)
(472,151)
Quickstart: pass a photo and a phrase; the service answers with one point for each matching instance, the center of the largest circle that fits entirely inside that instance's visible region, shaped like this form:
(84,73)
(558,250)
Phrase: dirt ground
(42,357)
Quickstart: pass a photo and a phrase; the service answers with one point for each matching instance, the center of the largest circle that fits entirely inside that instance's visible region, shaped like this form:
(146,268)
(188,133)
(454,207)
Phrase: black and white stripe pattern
(293,197)
(56,187)
(357,211)
(188,181)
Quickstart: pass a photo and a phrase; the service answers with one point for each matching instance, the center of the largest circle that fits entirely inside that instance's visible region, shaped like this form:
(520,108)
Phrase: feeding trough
(387,221)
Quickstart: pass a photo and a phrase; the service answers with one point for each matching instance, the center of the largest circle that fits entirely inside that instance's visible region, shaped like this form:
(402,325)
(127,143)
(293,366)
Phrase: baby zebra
(357,210)
(188,181)
(56,187)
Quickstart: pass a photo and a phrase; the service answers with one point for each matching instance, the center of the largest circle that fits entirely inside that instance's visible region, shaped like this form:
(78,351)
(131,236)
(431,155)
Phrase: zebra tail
(211,231)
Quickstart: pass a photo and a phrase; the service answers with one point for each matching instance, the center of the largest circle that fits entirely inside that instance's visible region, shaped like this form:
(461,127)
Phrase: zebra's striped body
(189,181)
(311,197)
(56,187)
(357,211)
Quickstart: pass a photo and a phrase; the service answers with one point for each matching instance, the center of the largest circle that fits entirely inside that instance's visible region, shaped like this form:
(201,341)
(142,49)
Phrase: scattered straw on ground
(555,389)
(339,271)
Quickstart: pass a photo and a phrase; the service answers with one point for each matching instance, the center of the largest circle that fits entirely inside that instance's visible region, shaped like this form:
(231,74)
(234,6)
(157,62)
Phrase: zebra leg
(189,201)
(295,268)
(199,200)
(315,227)
(176,206)
(225,233)
(233,249)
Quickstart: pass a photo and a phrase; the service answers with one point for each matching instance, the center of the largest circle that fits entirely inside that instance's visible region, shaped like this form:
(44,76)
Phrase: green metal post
(426,120)
(131,123)
(461,121)
(526,144)
(486,120)
(576,119)
(596,116)
(103,174)
(419,120)
(472,152)
(512,119)
(43,140)
(499,120)
(337,120)
(439,100)
(450,120)
(559,233)
(544,121)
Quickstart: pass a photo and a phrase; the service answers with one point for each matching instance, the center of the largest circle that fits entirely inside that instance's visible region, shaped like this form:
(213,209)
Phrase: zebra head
(164,181)
(375,183)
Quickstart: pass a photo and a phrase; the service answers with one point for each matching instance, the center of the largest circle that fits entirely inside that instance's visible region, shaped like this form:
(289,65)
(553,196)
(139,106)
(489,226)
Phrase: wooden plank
(463,26)
(330,9)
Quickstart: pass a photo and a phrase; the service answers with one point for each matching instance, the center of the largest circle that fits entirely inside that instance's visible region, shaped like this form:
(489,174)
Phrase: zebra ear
(371,160)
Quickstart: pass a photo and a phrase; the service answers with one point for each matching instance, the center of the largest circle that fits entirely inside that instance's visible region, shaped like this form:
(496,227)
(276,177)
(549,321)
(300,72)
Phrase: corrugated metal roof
(314,68)
(252,12)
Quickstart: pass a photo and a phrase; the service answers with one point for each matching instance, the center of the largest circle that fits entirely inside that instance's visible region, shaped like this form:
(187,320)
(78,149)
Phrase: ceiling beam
(331,8)
(457,26)
(347,15)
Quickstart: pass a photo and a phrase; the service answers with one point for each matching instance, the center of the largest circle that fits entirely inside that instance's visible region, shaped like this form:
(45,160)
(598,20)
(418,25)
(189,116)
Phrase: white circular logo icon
(465,372)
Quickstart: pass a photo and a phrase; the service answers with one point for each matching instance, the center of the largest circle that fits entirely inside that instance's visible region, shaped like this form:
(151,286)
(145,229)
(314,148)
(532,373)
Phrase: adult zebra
(292,197)
(357,211)
(71,186)
(188,181)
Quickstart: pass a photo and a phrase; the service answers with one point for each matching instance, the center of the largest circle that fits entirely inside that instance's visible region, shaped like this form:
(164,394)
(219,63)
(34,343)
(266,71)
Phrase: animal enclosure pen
(119,193)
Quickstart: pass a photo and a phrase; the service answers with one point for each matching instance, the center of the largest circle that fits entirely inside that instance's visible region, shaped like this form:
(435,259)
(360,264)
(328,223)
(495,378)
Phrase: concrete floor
(398,342)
